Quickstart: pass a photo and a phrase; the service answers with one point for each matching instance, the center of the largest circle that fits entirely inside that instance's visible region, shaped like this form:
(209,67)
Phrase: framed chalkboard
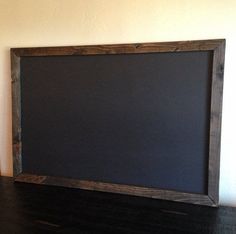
(139,119)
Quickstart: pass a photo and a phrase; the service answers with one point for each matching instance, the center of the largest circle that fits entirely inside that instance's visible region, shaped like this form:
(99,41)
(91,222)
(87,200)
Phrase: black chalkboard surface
(140,119)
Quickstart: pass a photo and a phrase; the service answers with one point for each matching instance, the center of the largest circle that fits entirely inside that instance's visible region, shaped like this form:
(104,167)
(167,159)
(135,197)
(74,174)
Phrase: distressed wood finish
(16,113)
(216,46)
(120,48)
(215,122)
(117,188)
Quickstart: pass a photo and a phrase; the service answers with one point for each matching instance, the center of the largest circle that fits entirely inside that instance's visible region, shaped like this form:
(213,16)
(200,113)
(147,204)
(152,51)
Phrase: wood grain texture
(215,122)
(117,188)
(177,46)
(16,113)
(37,209)
(217,46)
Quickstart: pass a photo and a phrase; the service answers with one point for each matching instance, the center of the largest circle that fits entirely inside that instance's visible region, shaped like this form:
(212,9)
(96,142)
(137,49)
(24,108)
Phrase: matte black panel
(138,119)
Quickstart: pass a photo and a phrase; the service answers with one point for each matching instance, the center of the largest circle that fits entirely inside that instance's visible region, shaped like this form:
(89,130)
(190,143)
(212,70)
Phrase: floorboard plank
(28,208)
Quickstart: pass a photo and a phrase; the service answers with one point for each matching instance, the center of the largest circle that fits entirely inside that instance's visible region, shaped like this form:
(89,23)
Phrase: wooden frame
(218,49)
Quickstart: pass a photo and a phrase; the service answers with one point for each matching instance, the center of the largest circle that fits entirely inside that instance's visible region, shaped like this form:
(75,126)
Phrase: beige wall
(75,22)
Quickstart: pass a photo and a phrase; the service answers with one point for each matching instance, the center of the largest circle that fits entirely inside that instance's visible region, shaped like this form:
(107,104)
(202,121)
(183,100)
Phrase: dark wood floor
(26,208)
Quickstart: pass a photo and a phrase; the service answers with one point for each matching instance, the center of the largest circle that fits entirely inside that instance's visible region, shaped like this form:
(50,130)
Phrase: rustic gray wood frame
(218,49)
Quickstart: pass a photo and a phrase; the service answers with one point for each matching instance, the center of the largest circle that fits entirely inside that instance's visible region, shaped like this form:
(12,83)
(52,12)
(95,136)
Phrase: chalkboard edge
(16,114)
(215,121)
(150,47)
(192,198)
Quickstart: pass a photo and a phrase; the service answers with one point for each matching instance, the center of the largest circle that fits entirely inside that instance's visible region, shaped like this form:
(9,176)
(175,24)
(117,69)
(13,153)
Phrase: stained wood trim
(218,49)
(16,114)
(117,188)
(120,48)
(215,121)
